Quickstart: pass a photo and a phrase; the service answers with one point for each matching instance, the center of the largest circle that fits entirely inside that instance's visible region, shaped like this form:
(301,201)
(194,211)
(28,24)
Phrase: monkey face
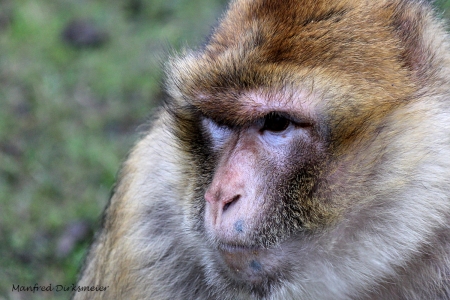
(257,188)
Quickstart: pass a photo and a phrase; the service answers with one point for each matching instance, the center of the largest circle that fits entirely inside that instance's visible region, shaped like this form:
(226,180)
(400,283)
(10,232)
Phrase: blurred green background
(77,78)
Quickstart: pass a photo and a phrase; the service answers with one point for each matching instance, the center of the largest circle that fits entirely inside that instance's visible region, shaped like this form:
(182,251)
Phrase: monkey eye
(218,133)
(275,123)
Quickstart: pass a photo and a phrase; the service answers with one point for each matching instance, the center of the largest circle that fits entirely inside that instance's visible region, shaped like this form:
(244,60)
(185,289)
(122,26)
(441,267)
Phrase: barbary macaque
(302,153)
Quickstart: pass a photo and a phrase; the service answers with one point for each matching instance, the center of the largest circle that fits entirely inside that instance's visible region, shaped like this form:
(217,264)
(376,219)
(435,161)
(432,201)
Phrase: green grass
(68,116)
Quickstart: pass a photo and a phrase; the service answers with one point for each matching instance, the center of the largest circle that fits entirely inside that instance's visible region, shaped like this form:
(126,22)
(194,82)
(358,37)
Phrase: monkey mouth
(235,248)
(238,256)
(251,265)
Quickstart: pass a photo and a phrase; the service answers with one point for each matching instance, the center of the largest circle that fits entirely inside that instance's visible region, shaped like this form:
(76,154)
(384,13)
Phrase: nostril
(225,207)
(230,202)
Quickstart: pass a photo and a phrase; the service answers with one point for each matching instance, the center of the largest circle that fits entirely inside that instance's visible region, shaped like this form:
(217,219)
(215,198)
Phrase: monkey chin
(257,268)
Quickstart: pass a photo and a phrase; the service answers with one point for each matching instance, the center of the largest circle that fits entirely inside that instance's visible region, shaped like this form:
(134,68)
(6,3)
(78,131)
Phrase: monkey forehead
(354,46)
(302,101)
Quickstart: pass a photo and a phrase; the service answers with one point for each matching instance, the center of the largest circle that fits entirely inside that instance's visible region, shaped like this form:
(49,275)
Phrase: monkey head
(278,110)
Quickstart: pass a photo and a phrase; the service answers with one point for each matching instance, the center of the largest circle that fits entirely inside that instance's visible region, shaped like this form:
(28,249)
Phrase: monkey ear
(420,38)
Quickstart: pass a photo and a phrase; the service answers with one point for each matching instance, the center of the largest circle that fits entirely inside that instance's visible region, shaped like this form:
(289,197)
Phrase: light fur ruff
(377,79)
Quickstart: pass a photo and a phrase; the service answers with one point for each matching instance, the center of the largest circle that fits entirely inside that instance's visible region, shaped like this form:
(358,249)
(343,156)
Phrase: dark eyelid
(298,121)
(295,120)
(274,122)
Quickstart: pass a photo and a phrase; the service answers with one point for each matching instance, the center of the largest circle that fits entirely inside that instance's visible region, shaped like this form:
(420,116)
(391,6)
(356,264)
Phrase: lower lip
(237,249)
(241,260)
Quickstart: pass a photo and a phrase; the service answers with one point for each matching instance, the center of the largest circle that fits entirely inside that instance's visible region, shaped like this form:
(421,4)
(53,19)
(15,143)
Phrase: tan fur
(373,78)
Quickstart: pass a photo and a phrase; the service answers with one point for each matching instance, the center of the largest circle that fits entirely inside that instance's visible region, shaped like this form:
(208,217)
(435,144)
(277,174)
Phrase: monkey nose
(221,201)
(228,203)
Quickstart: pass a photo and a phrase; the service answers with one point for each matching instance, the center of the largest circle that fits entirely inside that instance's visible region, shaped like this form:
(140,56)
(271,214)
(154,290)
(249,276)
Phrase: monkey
(303,152)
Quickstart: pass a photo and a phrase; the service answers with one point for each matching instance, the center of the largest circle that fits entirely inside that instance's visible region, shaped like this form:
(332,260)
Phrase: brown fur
(371,221)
